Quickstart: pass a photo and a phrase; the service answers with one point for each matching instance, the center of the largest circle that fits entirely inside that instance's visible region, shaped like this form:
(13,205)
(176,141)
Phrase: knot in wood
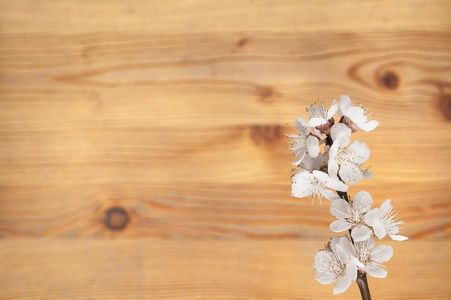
(116,218)
(390,80)
(265,134)
(445,105)
(242,42)
(267,94)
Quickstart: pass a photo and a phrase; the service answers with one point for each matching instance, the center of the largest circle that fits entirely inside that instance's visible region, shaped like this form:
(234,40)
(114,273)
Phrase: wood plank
(213,126)
(207,211)
(117,269)
(204,15)
(198,76)
(235,154)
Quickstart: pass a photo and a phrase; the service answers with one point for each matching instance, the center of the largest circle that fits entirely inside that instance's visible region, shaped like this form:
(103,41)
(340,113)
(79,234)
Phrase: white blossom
(355,116)
(315,186)
(346,161)
(313,163)
(333,265)
(384,221)
(320,118)
(351,216)
(367,257)
(304,142)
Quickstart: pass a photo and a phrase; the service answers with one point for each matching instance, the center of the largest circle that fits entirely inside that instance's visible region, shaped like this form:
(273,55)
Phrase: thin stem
(329,140)
(361,280)
(343,195)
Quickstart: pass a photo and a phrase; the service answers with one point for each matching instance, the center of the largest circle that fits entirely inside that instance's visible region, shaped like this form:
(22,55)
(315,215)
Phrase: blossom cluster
(328,162)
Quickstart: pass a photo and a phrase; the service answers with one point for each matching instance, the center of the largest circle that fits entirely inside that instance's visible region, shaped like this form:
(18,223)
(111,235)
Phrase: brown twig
(362,282)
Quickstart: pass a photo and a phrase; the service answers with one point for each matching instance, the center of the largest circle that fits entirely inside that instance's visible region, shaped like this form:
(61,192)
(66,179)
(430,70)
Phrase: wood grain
(207,211)
(250,269)
(203,15)
(172,115)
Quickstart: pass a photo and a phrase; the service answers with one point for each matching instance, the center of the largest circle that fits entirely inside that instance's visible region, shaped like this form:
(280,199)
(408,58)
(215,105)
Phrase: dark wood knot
(390,80)
(242,42)
(267,94)
(445,105)
(266,134)
(116,218)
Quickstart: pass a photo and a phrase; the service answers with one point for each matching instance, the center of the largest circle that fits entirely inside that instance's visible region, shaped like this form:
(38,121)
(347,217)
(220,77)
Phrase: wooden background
(174,112)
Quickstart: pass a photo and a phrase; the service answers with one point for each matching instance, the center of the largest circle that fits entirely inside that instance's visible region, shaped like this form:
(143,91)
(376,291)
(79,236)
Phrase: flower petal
(303,175)
(333,109)
(369,126)
(362,201)
(310,164)
(361,152)
(370,243)
(329,195)
(372,216)
(337,185)
(350,172)
(333,151)
(386,207)
(344,104)
(375,270)
(382,253)
(300,189)
(341,134)
(322,176)
(339,208)
(351,270)
(342,285)
(318,133)
(400,238)
(300,156)
(346,245)
(334,242)
(356,114)
(302,126)
(361,233)
(357,262)
(379,229)
(339,226)
(323,256)
(342,254)
(332,169)
(299,148)
(312,146)
(325,278)
(313,122)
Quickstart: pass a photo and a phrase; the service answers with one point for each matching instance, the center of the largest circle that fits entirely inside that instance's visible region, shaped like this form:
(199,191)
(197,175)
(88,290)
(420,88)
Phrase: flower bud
(325,128)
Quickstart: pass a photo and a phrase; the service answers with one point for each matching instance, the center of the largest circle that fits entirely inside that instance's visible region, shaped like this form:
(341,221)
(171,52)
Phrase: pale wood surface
(176,112)
(203,269)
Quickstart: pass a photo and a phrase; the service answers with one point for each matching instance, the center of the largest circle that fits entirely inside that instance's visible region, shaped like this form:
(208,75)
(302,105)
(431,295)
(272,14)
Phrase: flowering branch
(324,174)
(361,280)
